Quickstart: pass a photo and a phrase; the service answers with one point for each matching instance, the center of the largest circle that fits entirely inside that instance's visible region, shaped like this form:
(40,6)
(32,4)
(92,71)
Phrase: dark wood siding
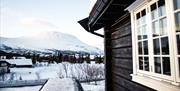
(121,57)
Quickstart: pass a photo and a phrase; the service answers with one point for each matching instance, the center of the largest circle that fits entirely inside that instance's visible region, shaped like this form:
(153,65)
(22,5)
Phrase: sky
(28,17)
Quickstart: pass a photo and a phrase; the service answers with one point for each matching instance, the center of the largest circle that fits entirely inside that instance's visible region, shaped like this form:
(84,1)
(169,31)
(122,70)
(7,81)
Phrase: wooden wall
(118,57)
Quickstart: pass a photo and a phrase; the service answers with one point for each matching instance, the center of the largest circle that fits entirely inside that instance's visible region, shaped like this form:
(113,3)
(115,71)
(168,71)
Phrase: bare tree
(38,75)
(65,66)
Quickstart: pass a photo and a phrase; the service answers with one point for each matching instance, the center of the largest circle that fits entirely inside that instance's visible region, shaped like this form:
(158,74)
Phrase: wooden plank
(123,63)
(117,87)
(122,52)
(122,31)
(122,72)
(131,86)
(122,42)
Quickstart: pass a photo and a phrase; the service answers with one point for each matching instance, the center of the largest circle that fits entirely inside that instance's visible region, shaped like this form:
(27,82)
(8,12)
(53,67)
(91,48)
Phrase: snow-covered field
(29,88)
(92,87)
(62,70)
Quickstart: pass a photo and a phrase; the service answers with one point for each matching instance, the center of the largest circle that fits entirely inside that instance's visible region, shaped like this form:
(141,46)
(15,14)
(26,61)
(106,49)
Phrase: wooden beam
(108,58)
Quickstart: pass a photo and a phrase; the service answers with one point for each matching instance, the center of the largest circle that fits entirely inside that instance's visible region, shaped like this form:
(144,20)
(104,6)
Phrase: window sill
(155,84)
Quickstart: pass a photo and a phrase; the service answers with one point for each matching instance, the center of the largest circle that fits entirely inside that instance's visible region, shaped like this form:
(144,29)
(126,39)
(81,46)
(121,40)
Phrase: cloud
(31,22)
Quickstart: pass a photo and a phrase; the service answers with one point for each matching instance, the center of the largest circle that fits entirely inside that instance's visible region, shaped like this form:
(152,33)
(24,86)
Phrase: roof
(104,13)
(65,84)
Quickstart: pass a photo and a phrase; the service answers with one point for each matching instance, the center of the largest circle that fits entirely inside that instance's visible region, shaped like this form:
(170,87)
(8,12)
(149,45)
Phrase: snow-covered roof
(19,61)
(65,84)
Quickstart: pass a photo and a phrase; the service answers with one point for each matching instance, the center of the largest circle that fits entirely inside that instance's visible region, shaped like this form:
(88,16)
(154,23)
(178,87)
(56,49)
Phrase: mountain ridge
(49,40)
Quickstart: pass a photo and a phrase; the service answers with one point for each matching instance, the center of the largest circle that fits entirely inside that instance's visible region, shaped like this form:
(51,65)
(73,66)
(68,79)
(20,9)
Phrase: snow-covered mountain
(49,40)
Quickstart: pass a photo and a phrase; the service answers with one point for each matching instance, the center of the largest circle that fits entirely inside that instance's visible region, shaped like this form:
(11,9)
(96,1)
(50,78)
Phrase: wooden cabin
(142,43)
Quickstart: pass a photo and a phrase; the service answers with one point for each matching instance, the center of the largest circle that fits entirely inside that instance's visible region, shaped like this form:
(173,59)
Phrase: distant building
(17,62)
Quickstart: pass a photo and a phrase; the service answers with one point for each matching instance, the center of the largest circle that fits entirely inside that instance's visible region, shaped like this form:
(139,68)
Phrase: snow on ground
(47,71)
(92,87)
(29,88)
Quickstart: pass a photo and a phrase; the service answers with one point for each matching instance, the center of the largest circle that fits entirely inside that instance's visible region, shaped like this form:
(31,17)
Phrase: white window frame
(172,14)
(166,83)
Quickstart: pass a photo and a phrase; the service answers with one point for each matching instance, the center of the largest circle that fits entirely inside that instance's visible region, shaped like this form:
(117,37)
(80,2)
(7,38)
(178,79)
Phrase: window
(156,46)
(177,31)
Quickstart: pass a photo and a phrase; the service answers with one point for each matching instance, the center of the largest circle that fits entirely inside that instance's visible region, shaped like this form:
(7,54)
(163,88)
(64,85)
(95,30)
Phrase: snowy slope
(49,40)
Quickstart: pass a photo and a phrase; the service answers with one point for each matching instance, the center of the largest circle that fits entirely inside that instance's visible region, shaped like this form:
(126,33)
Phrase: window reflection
(154,13)
(179,67)
(161,7)
(139,33)
(166,66)
(155,28)
(140,47)
(140,63)
(178,43)
(165,46)
(145,46)
(146,63)
(177,21)
(156,46)
(163,26)
(157,63)
(176,4)
(144,32)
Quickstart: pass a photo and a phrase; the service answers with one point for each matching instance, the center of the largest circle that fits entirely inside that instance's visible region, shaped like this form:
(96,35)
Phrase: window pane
(144,32)
(176,4)
(143,16)
(140,47)
(177,20)
(154,13)
(178,43)
(179,67)
(138,18)
(140,63)
(165,46)
(166,66)
(157,63)
(145,46)
(163,26)
(155,28)
(156,46)
(146,63)
(139,33)
(161,7)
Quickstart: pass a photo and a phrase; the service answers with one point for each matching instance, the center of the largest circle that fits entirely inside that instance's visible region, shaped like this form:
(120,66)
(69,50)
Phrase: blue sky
(27,17)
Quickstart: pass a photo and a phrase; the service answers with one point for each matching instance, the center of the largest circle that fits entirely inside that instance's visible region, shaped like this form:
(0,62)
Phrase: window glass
(178,43)
(140,47)
(146,63)
(176,4)
(156,45)
(143,16)
(144,32)
(161,7)
(154,13)
(179,67)
(140,63)
(166,66)
(177,21)
(138,18)
(163,26)
(145,46)
(165,46)
(157,63)
(139,33)
(155,28)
